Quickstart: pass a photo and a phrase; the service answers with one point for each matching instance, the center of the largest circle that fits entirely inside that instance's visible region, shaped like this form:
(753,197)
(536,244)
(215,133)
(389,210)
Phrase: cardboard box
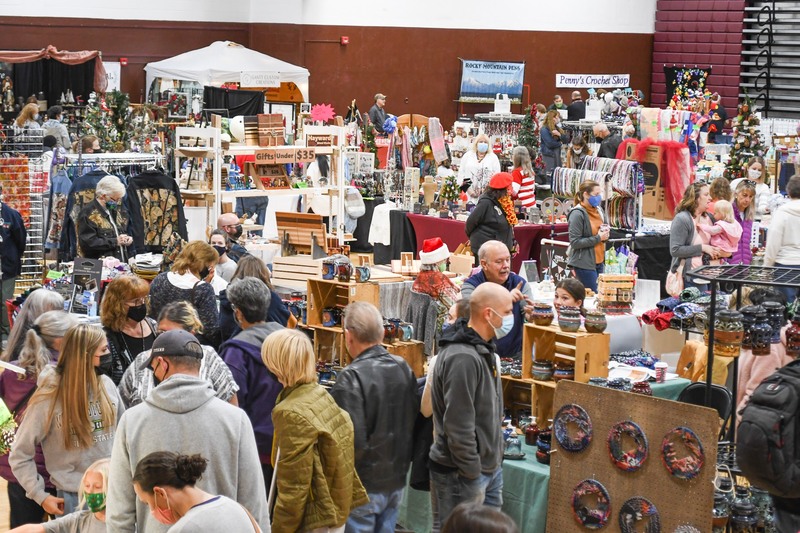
(654,199)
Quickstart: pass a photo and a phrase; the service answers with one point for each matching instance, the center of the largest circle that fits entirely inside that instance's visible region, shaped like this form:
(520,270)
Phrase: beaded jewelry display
(639,510)
(688,466)
(593,491)
(627,460)
(572,414)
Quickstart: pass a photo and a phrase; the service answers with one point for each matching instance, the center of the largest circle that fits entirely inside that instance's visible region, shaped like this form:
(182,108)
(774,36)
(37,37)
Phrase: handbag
(8,422)
(674,283)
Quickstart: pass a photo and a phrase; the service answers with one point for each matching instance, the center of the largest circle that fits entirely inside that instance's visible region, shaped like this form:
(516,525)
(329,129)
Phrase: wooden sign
(284,156)
(305,155)
(319,140)
(265,157)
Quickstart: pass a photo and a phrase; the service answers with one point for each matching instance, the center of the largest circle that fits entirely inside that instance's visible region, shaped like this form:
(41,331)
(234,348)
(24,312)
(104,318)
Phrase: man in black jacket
(467,397)
(608,142)
(576,110)
(12,245)
(379,392)
(377,113)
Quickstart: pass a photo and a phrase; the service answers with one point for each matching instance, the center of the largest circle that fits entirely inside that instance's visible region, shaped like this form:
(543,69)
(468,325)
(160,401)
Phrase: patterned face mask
(95,501)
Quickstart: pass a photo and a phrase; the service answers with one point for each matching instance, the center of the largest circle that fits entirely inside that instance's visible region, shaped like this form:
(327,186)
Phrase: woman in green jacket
(313,445)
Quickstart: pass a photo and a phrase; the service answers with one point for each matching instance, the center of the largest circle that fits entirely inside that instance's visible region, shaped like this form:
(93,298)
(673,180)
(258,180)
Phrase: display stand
(200,147)
(738,275)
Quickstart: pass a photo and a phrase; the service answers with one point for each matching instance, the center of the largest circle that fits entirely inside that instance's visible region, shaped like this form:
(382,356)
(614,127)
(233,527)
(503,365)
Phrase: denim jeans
(378,516)
(452,489)
(589,277)
(70,500)
(790,292)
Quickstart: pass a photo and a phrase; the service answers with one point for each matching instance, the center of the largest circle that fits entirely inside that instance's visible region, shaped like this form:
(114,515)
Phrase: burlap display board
(679,502)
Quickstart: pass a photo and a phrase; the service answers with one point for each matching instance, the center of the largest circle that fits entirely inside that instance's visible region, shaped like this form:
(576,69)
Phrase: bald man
(576,110)
(467,399)
(608,143)
(229,223)
(495,260)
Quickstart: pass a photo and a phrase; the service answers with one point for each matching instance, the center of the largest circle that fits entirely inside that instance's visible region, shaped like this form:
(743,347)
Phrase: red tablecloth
(452,232)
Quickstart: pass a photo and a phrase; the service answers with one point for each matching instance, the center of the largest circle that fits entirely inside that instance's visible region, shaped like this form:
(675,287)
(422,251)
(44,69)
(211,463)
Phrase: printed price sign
(265,157)
(284,156)
(366,163)
(305,155)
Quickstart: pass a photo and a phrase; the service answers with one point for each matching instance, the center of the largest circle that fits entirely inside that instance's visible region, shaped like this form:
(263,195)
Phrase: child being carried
(724,233)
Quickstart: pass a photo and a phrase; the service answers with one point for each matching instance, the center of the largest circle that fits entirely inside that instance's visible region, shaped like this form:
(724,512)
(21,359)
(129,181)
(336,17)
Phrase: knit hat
(433,251)
(501,180)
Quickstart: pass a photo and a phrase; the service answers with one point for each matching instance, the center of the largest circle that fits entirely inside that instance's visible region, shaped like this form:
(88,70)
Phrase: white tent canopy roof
(223,62)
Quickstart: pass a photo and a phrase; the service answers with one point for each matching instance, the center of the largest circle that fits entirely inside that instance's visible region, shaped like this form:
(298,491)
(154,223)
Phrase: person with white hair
(104,225)
(608,142)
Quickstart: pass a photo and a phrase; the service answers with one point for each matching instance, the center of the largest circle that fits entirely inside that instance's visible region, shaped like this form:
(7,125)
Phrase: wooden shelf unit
(589,352)
(412,351)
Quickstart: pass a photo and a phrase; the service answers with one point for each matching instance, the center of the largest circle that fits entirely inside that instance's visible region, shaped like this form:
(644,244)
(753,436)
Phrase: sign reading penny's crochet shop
(482,81)
(597,81)
(259,79)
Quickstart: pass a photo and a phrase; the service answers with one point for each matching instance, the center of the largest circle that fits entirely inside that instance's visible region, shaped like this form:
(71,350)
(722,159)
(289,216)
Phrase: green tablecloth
(669,390)
(524,497)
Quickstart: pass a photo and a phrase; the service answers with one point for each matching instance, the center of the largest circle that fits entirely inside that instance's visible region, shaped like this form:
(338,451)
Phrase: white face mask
(577,150)
(753,174)
(505,327)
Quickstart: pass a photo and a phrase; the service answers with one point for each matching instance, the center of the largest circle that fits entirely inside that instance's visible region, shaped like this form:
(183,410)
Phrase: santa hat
(433,251)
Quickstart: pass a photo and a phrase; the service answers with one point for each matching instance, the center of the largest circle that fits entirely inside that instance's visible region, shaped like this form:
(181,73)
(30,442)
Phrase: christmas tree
(109,118)
(528,137)
(449,192)
(746,141)
(368,136)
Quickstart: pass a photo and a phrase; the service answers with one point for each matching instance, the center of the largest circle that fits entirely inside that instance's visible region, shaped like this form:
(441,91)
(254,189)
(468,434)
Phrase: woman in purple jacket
(40,350)
(744,211)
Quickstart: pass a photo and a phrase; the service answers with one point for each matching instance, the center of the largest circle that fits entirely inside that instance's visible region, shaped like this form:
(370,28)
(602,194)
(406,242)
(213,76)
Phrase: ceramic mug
(397,332)
(407,331)
(344,270)
(389,331)
(362,273)
(328,269)
(330,317)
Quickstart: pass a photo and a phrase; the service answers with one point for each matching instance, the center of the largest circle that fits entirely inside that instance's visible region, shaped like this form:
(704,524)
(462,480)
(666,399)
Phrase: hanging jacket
(60,184)
(156,210)
(12,241)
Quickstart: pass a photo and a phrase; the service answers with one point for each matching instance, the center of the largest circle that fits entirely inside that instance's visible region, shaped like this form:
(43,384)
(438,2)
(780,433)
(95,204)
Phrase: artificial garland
(572,414)
(591,518)
(627,460)
(689,466)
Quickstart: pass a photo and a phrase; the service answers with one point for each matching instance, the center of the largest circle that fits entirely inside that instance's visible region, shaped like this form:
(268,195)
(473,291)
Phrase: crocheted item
(668,304)
(635,358)
(649,316)
(689,465)
(687,310)
(508,208)
(589,492)
(639,510)
(627,460)
(572,414)
(690,294)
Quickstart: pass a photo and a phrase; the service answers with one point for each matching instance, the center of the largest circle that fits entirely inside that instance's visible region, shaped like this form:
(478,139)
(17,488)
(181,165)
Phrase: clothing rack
(566,181)
(623,190)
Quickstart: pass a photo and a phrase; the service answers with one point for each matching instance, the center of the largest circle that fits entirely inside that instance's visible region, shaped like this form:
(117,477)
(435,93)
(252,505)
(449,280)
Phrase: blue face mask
(595,200)
(483,147)
(505,328)
(445,326)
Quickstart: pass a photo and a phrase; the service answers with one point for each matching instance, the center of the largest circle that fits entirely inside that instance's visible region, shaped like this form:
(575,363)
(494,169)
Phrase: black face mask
(98,151)
(237,231)
(137,312)
(221,250)
(104,368)
(204,273)
(156,381)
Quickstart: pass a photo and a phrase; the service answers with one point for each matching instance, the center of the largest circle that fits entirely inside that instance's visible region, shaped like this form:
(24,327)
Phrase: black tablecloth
(361,234)
(403,238)
(654,256)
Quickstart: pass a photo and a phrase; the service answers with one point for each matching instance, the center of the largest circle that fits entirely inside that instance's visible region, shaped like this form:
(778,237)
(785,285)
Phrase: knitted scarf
(508,208)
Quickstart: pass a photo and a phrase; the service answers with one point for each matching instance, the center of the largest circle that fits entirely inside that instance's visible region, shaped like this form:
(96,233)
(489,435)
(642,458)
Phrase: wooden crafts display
(680,502)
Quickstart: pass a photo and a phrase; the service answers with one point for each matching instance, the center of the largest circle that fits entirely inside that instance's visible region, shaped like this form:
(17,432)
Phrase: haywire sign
(596,81)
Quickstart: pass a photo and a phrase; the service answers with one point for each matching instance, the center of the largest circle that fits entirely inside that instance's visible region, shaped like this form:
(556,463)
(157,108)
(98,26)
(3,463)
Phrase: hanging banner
(596,81)
(113,73)
(482,81)
(686,83)
(259,79)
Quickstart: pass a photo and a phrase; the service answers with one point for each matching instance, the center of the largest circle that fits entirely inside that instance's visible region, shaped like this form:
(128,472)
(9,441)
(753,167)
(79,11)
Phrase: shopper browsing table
(377,113)
(229,223)
(495,262)
(39,301)
(104,225)
(609,143)
(744,211)
(588,232)
(493,219)
(552,138)
(467,396)
(576,110)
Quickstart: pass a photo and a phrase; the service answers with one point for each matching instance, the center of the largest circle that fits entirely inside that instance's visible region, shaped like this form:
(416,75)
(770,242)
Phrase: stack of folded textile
(147,266)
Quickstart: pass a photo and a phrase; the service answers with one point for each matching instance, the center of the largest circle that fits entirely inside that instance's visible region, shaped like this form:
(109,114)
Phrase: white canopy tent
(225,62)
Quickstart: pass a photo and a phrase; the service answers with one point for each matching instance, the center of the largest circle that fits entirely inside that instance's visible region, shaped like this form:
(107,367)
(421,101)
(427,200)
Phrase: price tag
(305,155)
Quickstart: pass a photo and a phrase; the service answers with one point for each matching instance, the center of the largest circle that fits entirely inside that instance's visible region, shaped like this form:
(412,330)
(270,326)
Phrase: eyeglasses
(144,300)
(750,184)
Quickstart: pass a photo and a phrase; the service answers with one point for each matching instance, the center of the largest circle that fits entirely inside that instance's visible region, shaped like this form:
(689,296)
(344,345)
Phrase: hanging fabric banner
(685,82)
(482,81)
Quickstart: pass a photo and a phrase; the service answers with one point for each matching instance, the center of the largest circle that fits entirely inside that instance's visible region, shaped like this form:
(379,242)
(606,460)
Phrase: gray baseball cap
(175,343)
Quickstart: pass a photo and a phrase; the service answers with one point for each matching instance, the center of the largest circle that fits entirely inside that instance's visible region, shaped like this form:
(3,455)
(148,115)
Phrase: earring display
(567,416)
(627,460)
(591,504)
(687,466)
(639,510)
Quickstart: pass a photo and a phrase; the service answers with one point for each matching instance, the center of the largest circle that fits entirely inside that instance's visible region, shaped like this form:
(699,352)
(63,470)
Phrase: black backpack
(768,438)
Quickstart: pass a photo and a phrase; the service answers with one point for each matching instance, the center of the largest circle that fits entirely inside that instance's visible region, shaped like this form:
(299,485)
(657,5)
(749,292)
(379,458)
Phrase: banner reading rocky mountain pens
(482,81)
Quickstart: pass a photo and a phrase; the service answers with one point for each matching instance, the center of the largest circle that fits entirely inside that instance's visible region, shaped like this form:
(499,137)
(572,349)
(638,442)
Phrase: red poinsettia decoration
(322,112)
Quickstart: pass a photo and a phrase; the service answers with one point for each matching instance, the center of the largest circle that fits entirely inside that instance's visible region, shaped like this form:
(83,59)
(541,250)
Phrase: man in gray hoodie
(182,414)
(467,453)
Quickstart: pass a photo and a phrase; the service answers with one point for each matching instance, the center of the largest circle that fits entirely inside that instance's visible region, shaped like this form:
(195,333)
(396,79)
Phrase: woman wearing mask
(104,225)
(686,244)
(187,281)
(27,121)
(477,166)
(39,301)
(123,313)
(578,150)
(587,235)
(165,481)
(757,173)
(138,380)
(744,211)
(41,348)
(551,134)
(225,266)
(73,415)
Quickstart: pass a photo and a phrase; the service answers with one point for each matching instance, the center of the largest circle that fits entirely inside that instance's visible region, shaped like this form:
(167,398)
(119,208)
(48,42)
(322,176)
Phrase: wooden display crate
(324,293)
(589,352)
(412,351)
(294,271)
(517,395)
